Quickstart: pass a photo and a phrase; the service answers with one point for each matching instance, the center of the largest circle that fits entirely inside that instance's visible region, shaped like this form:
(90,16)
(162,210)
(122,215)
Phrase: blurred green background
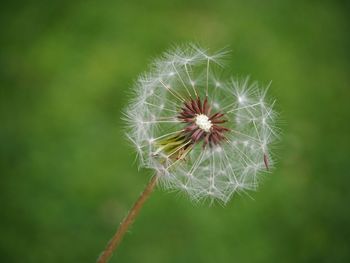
(68,175)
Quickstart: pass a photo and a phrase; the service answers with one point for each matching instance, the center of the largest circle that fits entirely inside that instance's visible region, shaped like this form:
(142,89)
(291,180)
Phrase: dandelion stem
(127,221)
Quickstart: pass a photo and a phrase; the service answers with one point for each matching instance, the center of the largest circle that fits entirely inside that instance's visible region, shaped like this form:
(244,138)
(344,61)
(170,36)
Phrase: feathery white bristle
(213,172)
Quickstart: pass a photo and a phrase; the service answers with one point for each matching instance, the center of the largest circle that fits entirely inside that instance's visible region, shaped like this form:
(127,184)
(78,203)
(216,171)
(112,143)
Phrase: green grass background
(68,175)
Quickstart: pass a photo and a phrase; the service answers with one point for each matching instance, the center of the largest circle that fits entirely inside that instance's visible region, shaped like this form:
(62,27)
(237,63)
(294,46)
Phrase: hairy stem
(127,221)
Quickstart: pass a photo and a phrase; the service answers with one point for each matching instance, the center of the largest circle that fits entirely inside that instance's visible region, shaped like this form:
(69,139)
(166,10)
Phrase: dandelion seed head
(205,136)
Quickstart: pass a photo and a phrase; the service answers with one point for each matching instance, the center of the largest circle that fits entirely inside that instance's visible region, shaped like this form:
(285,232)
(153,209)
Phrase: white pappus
(202,135)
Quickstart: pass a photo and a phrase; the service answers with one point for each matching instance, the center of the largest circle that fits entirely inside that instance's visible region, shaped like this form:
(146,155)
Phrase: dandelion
(202,135)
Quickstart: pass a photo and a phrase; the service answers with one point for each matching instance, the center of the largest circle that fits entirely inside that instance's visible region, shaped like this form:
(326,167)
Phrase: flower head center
(203,122)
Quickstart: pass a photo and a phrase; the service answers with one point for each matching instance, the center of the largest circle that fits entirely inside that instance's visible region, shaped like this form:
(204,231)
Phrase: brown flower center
(200,124)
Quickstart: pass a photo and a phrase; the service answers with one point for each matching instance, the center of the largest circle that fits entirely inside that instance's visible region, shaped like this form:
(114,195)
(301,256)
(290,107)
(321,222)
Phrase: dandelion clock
(203,135)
